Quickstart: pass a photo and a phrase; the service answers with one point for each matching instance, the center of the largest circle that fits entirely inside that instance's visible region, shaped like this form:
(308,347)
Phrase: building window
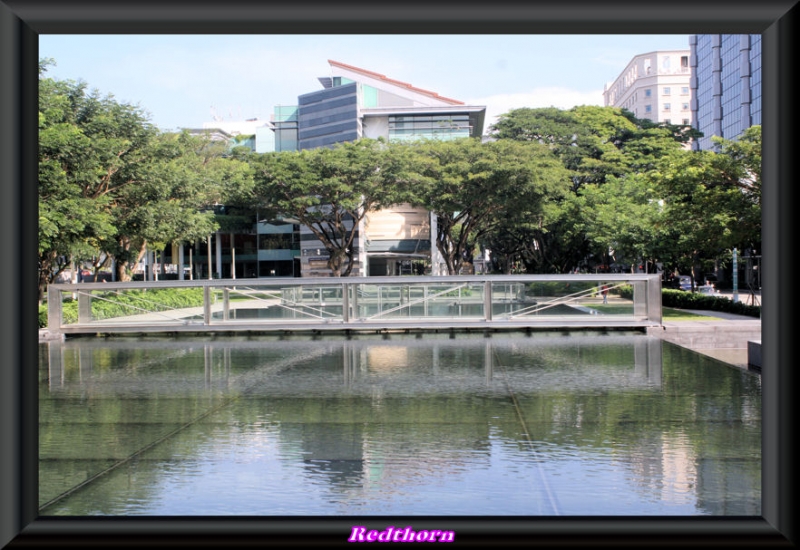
(686,121)
(442,127)
(665,63)
(276,241)
(667,106)
(648,109)
(684,106)
(667,121)
(685,90)
(667,90)
(647,92)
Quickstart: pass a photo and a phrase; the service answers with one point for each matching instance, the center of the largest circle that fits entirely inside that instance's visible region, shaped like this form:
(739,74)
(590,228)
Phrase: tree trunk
(335,262)
(45,269)
(43,282)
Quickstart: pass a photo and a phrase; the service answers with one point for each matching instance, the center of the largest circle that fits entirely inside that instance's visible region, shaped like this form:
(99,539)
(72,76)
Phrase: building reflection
(371,416)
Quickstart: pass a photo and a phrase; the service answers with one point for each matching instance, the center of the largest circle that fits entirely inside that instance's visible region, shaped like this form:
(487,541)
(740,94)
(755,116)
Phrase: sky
(185,81)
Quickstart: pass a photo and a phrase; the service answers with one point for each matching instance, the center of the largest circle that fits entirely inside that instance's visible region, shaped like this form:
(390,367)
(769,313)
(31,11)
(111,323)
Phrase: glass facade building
(328,116)
(284,123)
(442,127)
(356,103)
(726,85)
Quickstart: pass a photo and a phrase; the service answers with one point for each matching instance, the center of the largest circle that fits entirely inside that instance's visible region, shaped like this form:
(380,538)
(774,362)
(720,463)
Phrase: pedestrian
(604,292)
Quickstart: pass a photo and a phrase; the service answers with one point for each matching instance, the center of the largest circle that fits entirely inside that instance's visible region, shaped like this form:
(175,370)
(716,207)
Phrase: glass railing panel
(145,306)
(271,303)
(631,298)
(562,298)
(419,300)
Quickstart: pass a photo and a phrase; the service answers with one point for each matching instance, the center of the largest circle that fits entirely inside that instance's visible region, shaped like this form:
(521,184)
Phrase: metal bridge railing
(353,302)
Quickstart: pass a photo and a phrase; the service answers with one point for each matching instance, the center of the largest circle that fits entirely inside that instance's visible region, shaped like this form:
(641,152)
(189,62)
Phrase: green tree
(330,191)
(598,145)
(594,142)
(111,185)
(626,219)
(170,196)
(474,189)
(89,146)
(743,156)
(704,201)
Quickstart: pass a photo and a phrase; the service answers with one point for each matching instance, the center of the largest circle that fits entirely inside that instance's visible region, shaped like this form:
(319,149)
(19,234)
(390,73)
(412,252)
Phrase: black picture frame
(22,21)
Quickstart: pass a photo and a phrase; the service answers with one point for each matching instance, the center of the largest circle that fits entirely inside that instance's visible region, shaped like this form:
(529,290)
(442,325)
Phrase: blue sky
(182,81)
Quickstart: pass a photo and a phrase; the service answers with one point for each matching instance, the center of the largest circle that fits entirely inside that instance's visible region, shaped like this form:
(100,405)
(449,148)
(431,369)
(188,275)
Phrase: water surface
(499,424)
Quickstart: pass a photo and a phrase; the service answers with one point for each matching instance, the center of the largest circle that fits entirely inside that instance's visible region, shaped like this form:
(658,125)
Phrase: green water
(396,424)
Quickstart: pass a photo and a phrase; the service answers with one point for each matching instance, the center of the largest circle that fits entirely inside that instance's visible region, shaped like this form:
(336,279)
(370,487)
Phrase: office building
(726,85)
(654,86)
(353,103)
(357,103)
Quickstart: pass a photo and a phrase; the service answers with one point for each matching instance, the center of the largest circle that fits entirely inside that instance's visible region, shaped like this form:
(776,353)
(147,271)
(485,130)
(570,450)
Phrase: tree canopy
(549,191)
(474,189)
(330,190)
(110,184)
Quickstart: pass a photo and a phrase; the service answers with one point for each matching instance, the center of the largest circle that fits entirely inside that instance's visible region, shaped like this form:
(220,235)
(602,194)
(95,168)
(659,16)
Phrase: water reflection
(400,424)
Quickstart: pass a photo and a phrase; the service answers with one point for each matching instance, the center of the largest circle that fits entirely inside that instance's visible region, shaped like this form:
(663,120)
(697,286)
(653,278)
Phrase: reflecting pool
(495,424)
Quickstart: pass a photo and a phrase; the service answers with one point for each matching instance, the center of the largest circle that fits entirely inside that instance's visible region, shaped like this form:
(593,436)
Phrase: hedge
(682,299)
(43,316)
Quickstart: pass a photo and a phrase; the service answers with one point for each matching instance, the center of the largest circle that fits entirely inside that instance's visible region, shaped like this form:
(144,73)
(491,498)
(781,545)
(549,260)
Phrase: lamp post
(735,277)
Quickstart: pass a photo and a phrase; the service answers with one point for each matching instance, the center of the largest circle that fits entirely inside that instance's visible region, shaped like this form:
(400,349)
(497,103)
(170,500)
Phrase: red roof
(395,82)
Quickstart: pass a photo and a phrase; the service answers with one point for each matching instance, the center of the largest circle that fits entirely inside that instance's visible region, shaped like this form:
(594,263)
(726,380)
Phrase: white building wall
(654,86)
(237,127)
(375,127)
(397,223)
(405,93)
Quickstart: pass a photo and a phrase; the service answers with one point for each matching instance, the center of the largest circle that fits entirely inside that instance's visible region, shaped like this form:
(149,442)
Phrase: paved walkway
(724,336)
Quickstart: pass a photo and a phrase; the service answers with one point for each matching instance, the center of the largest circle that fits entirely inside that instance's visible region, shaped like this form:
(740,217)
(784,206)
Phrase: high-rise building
(726,84)
(654,86)
(357,103)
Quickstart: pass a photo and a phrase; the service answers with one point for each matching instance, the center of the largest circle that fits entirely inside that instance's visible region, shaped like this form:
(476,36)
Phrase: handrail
(557,301)
(370,302)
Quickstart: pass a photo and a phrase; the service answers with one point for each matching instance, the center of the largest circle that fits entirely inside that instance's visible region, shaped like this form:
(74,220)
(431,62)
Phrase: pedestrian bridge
(357,304)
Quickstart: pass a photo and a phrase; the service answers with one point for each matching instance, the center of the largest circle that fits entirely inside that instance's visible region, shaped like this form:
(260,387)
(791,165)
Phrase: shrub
(624,291)
(682,299)
(43,316)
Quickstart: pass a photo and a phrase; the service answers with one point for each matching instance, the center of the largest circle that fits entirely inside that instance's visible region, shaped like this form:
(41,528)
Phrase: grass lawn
(667,313)
(680,315)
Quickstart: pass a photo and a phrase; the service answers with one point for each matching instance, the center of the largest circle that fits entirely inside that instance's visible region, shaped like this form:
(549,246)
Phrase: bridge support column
(487,300)
(207,305)
(345,303)
(54,309)
(84,307)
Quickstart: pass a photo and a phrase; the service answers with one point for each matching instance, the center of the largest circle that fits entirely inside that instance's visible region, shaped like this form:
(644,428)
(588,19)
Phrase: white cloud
(561,98)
